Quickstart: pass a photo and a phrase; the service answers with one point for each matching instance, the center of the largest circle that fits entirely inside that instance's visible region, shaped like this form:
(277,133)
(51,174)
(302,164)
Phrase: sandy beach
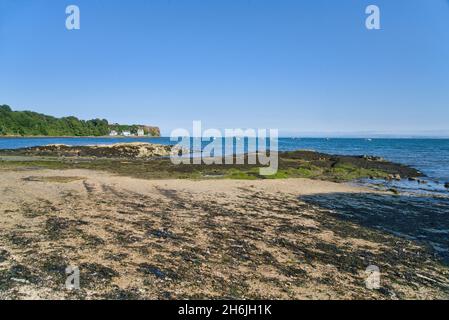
(217,159)
(170,239)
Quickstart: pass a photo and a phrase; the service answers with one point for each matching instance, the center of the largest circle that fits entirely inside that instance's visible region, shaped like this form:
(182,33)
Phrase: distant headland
(33,124)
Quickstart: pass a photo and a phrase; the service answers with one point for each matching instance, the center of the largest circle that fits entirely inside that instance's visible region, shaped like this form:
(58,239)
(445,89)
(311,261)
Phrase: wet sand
(183,239)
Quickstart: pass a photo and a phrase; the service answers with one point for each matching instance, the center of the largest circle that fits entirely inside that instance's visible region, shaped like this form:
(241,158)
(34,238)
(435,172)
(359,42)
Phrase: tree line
(28,123)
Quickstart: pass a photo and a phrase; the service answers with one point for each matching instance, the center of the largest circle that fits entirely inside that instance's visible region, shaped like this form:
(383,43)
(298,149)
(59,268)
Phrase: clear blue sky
(299,66)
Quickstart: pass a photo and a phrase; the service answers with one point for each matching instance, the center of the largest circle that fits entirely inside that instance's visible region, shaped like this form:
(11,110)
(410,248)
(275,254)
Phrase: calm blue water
(431,156)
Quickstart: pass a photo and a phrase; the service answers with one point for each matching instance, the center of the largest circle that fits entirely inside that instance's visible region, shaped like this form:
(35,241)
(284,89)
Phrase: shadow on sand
(421,219)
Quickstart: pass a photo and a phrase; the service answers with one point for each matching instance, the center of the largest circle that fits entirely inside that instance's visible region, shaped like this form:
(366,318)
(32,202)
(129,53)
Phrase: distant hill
(28,123)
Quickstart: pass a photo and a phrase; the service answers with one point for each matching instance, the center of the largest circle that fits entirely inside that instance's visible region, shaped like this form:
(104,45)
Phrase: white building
(140,133)
(113,133)
(126,133)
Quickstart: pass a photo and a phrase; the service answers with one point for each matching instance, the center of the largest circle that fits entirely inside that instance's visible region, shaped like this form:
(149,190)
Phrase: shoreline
(432,183)
(151,160)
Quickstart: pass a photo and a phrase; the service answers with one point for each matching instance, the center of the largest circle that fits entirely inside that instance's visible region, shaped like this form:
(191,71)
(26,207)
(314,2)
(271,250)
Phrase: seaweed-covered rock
(119,150)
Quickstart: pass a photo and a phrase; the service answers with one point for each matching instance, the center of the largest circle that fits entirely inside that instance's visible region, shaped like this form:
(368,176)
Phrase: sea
(430,156)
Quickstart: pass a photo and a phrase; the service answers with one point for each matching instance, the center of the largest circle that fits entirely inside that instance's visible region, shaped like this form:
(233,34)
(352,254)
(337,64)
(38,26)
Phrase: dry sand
(169,239)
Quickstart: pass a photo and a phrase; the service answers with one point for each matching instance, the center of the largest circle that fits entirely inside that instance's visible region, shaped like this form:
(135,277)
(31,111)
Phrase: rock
(393,190)
(24,281)
(373,158)
(118,150)
(395,176)
(446,185)
(417,180)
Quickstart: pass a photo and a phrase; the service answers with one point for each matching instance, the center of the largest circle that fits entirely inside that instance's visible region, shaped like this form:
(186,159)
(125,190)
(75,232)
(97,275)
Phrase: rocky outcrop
(120,150)
(292,164)
(154,131)
(395,171)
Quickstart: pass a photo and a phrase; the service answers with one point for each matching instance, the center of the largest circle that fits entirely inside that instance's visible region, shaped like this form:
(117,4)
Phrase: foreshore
(151,161)
(139,228)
